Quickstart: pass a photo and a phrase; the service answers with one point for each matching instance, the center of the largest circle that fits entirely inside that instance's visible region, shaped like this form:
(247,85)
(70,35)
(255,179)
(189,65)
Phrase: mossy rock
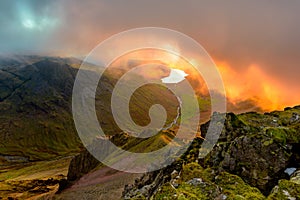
(209,186)
(283,135)
(235,188)
(193,170)
(205,190)
(285,190)
(278,134)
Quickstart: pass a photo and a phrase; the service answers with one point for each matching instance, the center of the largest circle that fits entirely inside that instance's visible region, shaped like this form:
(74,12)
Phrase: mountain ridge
(37,124)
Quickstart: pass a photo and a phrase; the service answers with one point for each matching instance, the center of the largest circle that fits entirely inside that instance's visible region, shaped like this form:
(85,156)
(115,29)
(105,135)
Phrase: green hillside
(35,107)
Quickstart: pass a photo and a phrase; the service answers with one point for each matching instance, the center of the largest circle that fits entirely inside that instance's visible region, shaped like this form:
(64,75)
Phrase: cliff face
(80,165)
(254,158)
(259,149)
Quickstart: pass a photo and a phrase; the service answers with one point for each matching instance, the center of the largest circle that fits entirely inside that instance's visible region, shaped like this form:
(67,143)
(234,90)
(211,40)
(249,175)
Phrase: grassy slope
(36,121)
(35,117)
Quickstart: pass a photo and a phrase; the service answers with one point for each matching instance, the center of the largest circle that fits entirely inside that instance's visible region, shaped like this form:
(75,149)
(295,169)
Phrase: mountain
(253,151)
(256,157)
(38,135)
(35,107)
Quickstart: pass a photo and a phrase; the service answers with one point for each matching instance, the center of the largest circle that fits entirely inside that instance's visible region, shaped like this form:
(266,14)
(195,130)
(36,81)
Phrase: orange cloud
(250,84)
(256,85)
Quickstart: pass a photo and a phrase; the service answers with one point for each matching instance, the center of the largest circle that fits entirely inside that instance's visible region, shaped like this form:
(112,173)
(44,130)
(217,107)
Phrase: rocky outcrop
(148,184)
(80,165)
(258,147)
(253,149)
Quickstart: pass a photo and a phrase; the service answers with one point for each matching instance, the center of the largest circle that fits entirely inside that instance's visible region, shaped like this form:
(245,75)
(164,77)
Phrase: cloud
(27,25)
(238,33)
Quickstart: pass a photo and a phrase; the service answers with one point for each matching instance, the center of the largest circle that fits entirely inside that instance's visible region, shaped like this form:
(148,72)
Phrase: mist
(256,41)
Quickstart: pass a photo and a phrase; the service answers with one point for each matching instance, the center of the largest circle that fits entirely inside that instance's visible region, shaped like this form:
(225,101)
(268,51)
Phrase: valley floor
(32,180)
(40,180)
(104,183)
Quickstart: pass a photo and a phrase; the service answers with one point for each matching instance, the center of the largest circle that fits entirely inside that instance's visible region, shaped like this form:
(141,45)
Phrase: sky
(254,43)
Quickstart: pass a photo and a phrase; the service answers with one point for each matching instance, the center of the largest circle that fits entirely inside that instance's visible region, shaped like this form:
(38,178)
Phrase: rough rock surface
(248,162)
(80,165)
